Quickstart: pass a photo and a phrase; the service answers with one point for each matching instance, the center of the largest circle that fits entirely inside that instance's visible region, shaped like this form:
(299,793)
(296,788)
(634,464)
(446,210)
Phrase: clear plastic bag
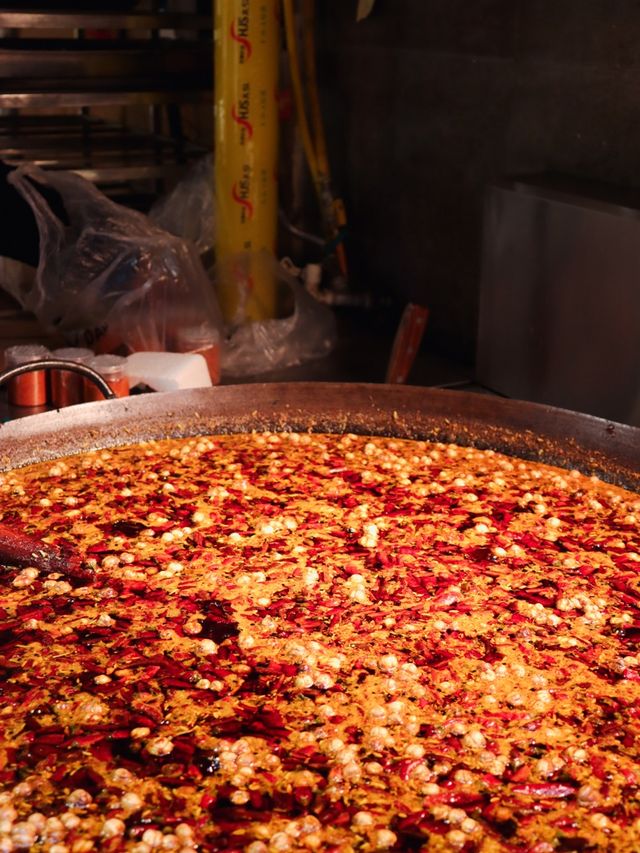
(110,279)
(188,211)
(308,331)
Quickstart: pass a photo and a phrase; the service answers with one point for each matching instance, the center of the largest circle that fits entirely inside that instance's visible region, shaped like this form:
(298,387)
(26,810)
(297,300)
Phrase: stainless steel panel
(23,98)
(560,299)
(104,175)
(102,20)
(170,63)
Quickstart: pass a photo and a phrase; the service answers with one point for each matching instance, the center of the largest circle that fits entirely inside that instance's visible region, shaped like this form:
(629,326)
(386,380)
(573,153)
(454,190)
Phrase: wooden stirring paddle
(21,549)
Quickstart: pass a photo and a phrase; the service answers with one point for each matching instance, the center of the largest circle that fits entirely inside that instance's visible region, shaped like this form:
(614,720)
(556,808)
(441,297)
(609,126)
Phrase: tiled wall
(430,100)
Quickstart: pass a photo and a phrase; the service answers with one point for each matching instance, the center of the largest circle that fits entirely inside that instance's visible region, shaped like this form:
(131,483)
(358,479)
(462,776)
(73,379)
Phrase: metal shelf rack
(102,92)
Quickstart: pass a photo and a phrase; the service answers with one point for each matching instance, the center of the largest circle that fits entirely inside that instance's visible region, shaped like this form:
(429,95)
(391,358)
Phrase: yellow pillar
(246,152)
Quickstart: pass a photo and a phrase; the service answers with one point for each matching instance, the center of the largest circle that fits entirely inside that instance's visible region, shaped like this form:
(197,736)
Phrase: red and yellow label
(246,148)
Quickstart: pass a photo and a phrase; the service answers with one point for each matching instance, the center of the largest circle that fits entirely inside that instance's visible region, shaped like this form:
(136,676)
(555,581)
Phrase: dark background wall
(431,100)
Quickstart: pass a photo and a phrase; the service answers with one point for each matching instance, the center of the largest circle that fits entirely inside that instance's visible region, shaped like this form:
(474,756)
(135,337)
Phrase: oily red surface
(300,642)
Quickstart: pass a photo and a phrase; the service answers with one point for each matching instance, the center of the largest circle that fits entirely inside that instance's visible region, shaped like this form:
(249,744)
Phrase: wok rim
(528,430)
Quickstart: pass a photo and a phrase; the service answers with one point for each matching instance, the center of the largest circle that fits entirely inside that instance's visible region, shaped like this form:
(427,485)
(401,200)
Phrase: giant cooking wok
(532,431)
(564,438)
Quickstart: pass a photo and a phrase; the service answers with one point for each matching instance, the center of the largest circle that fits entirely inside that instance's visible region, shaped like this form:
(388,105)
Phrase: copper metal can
(29,389)
(66,386)
(113,369)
